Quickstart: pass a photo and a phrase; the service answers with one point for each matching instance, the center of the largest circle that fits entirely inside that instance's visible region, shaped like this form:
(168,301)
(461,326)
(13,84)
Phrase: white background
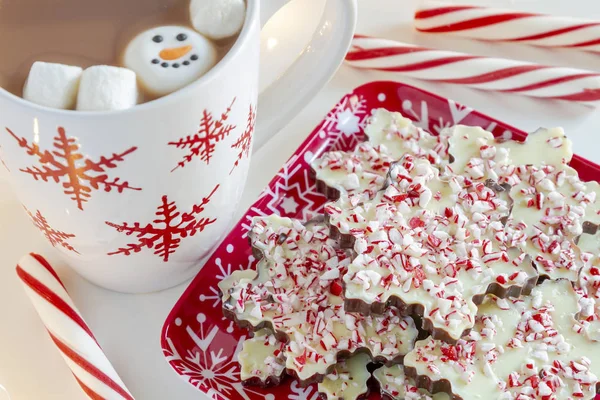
(128,327)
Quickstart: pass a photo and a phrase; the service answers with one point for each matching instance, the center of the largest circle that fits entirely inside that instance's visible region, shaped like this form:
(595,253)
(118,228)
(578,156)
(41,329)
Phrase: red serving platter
(197,341)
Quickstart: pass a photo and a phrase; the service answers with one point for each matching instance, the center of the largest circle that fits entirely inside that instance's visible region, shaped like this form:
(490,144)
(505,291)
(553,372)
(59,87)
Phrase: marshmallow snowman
(167,58)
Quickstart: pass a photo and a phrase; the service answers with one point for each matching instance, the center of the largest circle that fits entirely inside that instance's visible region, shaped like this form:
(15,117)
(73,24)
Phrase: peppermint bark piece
(551,206)
(394,384)
(297,295)
(548,214)
(430,247)
(363,171)
(478,155)
(348,380)
(519,349)
(400,136)
(262,361)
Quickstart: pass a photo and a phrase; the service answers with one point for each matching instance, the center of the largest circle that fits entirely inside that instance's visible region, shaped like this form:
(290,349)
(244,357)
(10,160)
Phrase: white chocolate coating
(400,136)
(261,357)
(394,383)
(348,381)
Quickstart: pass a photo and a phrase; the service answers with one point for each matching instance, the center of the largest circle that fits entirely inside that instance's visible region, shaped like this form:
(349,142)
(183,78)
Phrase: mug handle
(313,68)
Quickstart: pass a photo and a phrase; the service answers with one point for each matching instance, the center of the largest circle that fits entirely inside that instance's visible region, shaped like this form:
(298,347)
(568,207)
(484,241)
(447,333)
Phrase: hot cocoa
(156,39)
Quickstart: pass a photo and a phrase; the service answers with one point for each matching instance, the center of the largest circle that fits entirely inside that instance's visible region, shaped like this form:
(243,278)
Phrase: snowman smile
(174,53)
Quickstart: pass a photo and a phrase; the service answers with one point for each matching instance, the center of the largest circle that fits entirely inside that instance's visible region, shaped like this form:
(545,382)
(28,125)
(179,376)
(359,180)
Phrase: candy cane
(495,74)
(507,26)
(69,332)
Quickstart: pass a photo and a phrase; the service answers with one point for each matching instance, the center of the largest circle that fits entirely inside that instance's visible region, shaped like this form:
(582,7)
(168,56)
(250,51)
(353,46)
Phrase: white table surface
(128,327)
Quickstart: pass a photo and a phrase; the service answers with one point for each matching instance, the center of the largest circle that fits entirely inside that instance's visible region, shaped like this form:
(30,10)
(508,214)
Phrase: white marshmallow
(168,58)
(52,85)
(105,88)
(218,19)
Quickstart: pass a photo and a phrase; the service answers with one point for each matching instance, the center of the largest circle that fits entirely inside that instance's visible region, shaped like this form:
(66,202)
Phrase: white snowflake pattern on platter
(287,196)
(346,116)
(215,374)
(300,393)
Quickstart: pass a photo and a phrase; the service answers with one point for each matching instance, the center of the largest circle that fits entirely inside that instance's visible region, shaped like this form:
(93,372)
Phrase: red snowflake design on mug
(164,234)
(65,164)
(244,142)
(203,143)
(54,236)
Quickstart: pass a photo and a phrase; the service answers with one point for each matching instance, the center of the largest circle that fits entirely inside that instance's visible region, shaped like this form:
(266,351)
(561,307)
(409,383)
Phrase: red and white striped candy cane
(69,332)
(507,26)
(486,73)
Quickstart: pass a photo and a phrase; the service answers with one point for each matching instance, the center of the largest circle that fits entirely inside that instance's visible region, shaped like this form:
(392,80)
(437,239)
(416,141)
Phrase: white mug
(134,199)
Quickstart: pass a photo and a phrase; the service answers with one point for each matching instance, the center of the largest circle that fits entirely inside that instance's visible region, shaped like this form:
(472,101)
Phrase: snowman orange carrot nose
(174,53)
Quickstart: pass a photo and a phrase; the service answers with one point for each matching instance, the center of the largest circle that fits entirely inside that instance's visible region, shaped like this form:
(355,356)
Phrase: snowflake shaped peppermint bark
(164,234)
(551,205)
(396,385)
(262,363)
(203,143)
(363,170)
(549,208)
(65,164)
(478,155)
(262,360)
(400,136)
(348,380)
(297,295)
(244,142)
(430,247)
(519,349)
(55,237)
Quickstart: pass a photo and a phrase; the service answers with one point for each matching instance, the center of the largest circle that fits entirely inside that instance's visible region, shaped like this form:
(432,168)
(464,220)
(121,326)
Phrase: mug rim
(251,11)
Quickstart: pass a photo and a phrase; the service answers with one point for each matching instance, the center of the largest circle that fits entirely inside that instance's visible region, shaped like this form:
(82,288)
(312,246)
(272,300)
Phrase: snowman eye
(181,37)
(157,39)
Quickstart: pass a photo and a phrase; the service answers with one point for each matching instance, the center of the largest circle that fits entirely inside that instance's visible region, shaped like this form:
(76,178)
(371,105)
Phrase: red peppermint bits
(450,353)
(336,288)
(416,222)
(418,277)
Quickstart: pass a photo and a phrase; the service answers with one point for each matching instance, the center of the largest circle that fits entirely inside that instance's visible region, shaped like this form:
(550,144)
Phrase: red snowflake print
(203,143)
(244,143)
(79,175)
(56,238)
(164,234)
